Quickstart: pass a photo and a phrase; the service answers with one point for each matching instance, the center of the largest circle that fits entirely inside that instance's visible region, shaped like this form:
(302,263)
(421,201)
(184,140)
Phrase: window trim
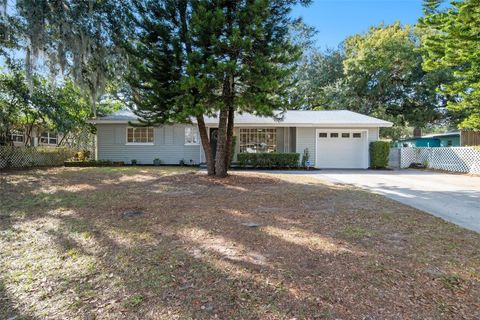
(17,133)
(48,137)
(275,133)
(139,143)
(194,131)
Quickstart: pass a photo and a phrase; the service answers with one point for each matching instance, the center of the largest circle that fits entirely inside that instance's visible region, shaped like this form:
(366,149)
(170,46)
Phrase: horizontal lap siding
(169,145)
(305,138)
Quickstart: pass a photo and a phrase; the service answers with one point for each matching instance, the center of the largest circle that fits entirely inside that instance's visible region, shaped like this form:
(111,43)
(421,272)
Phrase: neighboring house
(335,139)
(39,137)
(448,139)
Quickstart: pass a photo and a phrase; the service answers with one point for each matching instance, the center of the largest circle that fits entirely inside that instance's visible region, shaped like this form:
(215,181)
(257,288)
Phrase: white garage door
(341,149)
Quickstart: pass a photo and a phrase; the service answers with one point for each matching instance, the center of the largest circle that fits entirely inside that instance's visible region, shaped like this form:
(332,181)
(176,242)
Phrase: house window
(345,135)
(322,135)
(357,135)
(334,135)
(140,135)
(191,136)
(258,140)
(449,143)
(17,136)
(48,138)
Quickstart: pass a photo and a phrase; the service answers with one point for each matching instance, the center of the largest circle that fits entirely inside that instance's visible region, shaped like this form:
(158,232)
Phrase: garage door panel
(335,151)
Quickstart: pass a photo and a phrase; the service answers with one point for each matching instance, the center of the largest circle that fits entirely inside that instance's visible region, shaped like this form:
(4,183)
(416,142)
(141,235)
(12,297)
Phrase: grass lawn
(172,243)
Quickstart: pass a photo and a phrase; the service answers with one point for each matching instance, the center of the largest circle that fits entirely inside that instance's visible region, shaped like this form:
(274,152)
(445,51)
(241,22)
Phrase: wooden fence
(470,138)
(25,157)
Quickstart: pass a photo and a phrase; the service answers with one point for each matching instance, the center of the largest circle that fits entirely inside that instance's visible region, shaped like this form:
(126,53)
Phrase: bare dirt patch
(69,250)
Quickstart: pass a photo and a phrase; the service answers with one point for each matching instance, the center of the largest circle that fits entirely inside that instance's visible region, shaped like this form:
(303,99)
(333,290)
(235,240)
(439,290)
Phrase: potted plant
(156,162)
(134,162)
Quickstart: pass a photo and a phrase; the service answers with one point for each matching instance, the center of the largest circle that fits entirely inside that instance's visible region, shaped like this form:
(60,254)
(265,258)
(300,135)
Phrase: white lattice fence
(456,159)
(24,157)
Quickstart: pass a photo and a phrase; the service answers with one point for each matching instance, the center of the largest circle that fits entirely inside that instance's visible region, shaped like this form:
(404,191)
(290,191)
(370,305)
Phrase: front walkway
(455,198)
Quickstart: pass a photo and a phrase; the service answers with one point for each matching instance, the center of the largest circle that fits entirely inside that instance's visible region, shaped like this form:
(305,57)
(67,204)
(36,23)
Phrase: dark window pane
(357,135)
(333,135)
(322,135)
(345,135)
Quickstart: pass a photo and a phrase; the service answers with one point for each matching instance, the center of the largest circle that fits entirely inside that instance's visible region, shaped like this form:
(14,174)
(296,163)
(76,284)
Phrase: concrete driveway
(455,198)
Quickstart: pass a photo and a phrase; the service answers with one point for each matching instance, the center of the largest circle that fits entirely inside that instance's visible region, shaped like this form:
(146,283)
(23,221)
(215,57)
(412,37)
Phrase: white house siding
(305,138)
(168,145)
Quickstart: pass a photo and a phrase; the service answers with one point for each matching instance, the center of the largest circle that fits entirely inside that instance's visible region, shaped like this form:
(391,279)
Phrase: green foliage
(450,40)
(379,152)
(83,155)
(75,40)
(378,73)
(268,160)
(195,58)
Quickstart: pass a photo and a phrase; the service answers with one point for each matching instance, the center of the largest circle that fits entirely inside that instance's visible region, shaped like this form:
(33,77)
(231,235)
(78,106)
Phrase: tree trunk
(206,146)
(220,161)
(230,125)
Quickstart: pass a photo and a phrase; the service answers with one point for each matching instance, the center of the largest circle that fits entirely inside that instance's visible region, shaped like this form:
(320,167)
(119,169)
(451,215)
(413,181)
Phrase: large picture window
(140,135)
(258,140)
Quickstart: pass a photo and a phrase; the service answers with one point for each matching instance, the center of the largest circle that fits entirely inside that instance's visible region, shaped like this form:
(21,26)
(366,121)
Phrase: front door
(213,141)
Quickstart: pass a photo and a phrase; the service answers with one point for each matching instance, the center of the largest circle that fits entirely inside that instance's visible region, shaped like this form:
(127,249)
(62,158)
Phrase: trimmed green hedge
(379,151)
(268,160)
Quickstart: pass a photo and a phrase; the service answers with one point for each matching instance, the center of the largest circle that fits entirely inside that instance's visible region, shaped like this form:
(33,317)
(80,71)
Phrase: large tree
(451,39)
(196,58)
(74,39)
(378,73)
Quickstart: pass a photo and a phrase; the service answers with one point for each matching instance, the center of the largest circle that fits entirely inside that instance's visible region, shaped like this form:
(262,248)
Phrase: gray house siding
(305,138)
(168,145)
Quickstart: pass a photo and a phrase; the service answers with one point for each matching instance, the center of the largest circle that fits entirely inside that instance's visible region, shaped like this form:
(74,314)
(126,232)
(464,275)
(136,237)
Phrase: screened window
(17,136)
(257,140)
(48,138)
(140,135)
(191,136)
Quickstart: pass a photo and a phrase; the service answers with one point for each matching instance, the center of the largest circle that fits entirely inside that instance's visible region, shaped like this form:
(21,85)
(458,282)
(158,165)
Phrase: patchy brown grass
(68,250)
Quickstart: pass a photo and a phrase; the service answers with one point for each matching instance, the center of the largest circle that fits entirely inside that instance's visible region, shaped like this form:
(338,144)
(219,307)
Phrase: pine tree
(196,58)
(451,39)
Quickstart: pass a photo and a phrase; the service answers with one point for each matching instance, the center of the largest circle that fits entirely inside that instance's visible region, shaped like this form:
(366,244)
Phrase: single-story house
(447,139)
(334,139)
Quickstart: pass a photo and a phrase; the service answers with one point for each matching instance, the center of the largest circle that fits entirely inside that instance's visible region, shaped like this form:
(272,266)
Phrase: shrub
(268,160)
(379,152)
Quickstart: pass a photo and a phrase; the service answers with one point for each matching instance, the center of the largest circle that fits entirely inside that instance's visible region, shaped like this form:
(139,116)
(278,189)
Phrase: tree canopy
(451,39)
(378,73)
(192,58)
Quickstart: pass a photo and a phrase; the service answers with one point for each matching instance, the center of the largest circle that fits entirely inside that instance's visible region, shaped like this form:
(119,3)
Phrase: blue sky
(337,19)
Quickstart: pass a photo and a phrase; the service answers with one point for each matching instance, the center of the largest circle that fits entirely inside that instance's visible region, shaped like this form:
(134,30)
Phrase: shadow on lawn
(318,251)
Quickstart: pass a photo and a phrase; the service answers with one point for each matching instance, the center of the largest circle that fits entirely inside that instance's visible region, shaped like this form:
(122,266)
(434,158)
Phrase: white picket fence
(455,159)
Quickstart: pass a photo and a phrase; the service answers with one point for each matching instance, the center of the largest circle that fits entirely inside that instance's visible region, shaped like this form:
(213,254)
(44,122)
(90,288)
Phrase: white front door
(341,149)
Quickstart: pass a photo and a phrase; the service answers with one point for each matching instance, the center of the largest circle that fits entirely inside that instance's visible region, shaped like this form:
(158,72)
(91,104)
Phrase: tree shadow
(315,250)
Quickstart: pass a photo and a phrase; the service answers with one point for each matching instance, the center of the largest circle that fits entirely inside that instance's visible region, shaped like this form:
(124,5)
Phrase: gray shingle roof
(290,118)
